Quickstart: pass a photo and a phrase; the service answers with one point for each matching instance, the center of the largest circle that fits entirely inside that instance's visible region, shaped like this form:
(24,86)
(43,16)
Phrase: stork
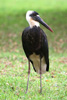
(35,45)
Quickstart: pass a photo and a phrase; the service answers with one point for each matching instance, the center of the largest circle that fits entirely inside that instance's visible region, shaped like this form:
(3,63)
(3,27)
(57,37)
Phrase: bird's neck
(33,23)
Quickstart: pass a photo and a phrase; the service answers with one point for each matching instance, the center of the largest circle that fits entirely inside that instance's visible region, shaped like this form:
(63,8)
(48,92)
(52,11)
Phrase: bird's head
(34,19)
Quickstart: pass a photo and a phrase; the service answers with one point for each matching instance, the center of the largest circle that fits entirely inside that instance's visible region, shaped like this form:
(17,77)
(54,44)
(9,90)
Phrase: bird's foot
(41,90)
(26,92)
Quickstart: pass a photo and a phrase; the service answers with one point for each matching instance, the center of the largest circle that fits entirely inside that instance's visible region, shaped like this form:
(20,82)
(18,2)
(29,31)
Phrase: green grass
(19,5)
(13,63)
(13,79)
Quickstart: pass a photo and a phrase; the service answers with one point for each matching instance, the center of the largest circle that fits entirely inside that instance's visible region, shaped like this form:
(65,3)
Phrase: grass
(13,63)
(19,5)
(14,77)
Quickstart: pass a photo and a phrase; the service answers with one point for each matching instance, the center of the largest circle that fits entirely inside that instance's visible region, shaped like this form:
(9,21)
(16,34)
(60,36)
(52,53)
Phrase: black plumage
(34,40)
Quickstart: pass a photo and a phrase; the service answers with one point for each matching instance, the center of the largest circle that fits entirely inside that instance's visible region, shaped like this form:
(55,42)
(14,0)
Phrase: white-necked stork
(35,45)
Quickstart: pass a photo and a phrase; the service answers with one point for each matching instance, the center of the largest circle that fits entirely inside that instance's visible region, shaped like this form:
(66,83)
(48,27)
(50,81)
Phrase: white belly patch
(36,61)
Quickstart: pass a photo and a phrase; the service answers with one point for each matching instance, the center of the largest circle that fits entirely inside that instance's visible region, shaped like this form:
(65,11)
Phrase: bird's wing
(24,33)
(45,49)
(25,41)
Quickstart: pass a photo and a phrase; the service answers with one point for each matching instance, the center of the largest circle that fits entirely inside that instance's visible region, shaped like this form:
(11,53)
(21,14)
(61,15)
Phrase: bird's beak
(43,23)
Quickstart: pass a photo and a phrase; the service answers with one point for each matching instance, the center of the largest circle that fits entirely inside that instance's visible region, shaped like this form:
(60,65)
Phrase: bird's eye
(34,14)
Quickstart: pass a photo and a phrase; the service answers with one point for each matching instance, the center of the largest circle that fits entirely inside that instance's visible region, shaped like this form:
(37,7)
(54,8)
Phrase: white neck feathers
(33,23)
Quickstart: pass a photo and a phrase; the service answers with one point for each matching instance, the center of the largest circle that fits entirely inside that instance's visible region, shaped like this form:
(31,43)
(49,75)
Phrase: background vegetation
(13,63)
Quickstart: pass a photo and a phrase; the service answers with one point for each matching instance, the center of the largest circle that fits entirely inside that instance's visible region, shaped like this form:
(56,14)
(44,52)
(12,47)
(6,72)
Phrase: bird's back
(35,45)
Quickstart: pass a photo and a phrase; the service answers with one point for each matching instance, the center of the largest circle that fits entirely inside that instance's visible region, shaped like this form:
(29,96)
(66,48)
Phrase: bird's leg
(40,77)
(28,76)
